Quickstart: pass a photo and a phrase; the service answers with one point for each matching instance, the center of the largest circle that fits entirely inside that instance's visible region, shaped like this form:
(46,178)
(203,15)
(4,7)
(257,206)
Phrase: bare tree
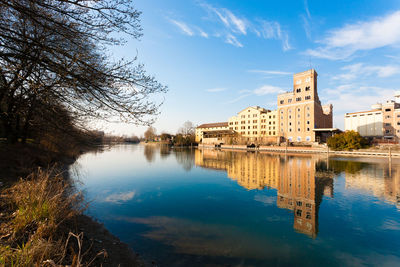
(54,56)
(150,133)
(187,128)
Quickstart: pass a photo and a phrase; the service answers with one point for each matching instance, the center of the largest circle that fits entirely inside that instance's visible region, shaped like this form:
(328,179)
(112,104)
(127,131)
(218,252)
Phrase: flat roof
(373,110)
(327,130)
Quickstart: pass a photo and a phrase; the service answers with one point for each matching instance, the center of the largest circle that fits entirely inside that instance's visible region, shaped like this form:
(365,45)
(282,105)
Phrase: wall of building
(369,123)
(300,111)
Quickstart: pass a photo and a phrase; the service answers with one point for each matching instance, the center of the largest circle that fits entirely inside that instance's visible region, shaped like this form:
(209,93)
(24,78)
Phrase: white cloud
(183,27)
(203,33)
(364,35)
(268,89)
(235,26)
(272,30)
(238,98)
(231,21)
(216,90)
(231,39)
(271,72)
(358,70)
(260,91)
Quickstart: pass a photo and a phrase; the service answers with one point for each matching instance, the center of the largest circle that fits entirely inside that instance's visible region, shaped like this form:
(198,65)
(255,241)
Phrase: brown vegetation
(40,225)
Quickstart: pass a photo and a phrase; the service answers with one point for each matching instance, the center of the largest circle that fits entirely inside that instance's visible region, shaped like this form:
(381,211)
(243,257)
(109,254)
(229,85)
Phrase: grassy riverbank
(41,219)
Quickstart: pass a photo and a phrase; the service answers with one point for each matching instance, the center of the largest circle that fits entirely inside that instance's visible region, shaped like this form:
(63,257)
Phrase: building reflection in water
(299,180)
(302,180)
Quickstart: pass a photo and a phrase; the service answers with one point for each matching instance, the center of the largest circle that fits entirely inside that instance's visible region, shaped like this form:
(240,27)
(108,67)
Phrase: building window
(298,90)
(308,122)
(290,116)
(248,127)
(308,129)
(290,123)
(308,97)
(254,121)
(289,100)
(387,117)
(254,115)
(308,138)
(281,101)
(290,129)
(274,133)
(388,109)
(298,98)
(308,114)
(387,124)
(298,129)
(298,213)
(308,88)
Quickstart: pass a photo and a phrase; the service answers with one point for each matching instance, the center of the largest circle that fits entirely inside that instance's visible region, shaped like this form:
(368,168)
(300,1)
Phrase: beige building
(382,121)
(300,112)
(256,123)
(210,127)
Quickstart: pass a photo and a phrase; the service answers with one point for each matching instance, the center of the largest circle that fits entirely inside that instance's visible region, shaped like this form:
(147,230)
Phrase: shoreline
(98,243)
(306,150)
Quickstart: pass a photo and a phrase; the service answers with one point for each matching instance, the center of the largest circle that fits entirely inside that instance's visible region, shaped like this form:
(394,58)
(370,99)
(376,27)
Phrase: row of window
(255,132)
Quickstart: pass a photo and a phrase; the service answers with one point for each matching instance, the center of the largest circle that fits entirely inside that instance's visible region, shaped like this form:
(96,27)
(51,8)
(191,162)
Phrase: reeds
(33,212)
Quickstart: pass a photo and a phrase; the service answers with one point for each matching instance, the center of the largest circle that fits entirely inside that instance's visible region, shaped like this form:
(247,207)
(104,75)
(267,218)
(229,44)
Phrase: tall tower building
(300,111)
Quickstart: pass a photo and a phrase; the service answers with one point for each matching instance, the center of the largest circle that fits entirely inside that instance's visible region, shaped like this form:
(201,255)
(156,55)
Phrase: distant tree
(165,137)
(348,140)
(150,133)
(187,128)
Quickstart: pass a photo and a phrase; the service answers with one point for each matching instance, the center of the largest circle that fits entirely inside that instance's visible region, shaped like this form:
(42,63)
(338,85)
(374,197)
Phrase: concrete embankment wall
(278,149)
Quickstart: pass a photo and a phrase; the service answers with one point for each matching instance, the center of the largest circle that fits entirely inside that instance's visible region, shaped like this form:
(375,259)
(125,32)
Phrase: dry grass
(31,223)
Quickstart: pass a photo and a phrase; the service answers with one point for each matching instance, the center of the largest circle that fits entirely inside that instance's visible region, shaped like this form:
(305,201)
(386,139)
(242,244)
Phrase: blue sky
(218,57)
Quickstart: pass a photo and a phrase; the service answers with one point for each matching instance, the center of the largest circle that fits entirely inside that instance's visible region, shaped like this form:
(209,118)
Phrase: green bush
(348,140)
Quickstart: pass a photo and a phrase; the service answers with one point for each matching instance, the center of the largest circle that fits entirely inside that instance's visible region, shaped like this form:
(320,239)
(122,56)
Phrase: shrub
(348,140)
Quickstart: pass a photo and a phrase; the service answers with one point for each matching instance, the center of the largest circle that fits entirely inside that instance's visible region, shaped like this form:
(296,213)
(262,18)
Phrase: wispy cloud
(344,42)
(271,72)
(189,30)
(235,26)
(358,70)
(268,89)
(216,90)
(272,30)
(228,19)
(183,27)
(231,39)
(238,98)
(260,91)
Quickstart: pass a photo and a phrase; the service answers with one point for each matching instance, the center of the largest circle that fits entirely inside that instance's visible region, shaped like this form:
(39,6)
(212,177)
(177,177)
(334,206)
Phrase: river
(211,208)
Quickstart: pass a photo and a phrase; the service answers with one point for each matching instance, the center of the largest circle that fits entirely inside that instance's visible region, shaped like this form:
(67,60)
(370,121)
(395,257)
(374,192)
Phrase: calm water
(212,208)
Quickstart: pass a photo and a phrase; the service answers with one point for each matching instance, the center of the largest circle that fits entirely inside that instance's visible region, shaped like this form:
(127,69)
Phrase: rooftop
(212,125)
(373,110)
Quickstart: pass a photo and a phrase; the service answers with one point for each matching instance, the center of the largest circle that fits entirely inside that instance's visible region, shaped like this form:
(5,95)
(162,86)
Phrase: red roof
(212,125)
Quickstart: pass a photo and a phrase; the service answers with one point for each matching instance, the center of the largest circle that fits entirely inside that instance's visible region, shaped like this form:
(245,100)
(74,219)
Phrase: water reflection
(185,207)
(301,181)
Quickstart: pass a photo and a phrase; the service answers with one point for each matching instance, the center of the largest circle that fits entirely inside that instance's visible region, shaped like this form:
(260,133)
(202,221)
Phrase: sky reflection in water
(209,207)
